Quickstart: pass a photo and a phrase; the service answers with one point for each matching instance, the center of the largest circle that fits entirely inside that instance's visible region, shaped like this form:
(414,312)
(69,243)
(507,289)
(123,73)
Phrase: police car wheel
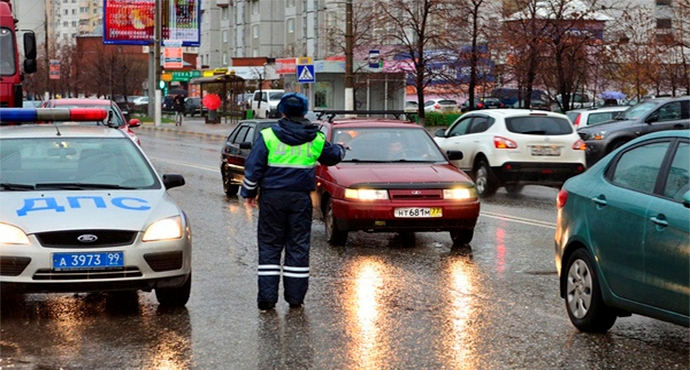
(174,297)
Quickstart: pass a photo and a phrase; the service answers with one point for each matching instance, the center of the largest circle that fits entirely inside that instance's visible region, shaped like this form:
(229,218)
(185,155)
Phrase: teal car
(622,238)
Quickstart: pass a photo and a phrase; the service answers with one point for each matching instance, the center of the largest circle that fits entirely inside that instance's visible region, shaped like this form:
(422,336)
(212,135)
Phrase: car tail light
(480,105)
(577,120)
(579,145)
(503,143)
(501,105)
(561,198)
(437,106)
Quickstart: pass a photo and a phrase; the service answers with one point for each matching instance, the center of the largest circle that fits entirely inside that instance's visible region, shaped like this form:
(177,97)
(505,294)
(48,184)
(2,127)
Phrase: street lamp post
(157,63)
(349,82)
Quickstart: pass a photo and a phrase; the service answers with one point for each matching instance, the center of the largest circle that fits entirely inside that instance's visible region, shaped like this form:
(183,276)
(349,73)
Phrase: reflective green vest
(283,155)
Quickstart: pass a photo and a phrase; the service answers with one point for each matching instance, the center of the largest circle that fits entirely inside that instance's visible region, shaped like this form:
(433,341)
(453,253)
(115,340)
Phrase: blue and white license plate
(94,261)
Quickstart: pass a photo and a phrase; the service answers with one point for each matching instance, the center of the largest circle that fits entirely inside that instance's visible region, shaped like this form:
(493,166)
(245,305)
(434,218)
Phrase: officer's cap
(293,105)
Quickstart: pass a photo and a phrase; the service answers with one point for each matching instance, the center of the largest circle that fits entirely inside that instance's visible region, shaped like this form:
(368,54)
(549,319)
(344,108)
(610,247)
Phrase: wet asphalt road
(380,302)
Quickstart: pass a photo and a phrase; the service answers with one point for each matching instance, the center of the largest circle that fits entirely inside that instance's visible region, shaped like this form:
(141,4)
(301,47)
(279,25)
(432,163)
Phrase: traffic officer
(282,164)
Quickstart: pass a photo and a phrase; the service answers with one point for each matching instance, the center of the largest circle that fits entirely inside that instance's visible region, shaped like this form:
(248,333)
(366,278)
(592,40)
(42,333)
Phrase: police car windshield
(73,164)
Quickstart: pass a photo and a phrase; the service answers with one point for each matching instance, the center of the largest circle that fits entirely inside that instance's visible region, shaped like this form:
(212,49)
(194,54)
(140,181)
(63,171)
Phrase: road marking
(498,216)
(520,220)
(197,166)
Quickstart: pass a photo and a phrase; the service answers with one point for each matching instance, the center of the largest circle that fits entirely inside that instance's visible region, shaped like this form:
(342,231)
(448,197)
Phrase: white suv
(590,116)
(265,103)
(514,147)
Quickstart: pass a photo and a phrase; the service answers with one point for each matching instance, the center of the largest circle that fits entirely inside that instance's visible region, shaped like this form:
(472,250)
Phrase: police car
(82,209)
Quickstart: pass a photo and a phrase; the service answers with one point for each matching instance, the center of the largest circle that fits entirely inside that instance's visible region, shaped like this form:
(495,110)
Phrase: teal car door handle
(660,220)
(600,201)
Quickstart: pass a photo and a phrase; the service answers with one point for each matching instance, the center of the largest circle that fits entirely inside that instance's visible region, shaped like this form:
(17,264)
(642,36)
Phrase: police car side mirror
(172,181)
(246,145)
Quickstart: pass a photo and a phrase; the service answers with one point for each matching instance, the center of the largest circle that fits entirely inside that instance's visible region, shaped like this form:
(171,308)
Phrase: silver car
(83,210)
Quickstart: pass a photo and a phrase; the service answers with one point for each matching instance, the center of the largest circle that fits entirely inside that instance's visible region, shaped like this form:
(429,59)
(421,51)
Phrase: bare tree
(418,28)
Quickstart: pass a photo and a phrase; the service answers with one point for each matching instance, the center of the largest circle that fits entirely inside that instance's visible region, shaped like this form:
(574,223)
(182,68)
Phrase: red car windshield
(7,56)
(387,145)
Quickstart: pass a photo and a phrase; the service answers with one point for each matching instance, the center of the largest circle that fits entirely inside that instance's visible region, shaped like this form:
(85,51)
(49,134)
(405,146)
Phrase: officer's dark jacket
(293,132)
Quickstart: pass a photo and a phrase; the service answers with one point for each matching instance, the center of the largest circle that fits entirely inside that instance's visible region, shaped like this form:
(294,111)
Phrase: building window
(255,7)
(290,3)
(66,12)
(291,25)
(662,23)
(74,11)
(225,35)
(255,31)
(255,53)
(663,2)
(74,23)
(224,11)
(65,24)
(225,58)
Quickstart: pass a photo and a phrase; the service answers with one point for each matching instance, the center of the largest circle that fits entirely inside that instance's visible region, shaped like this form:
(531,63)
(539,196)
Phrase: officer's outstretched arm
(332,154)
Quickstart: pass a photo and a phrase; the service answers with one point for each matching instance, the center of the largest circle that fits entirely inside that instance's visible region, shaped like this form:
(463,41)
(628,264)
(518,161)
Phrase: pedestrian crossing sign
(305,74)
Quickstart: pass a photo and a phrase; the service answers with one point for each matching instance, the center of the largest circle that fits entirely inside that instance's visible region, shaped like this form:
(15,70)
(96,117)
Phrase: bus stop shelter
(228,87)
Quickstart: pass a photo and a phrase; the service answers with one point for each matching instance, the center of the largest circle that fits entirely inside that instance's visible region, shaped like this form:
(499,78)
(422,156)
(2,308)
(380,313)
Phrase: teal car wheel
(583,300)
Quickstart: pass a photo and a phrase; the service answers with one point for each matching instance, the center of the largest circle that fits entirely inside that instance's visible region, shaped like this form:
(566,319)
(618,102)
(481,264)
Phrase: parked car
(440,105)
(411,106)
(482,103)
(646,117)
(193,106)
(514,147)
(394,178)
(32,104)
(265,103)
(168,104)
(141,104)
(622,235)
(86,211)
(535,104)
(115,116)
(235,151)
(591,116)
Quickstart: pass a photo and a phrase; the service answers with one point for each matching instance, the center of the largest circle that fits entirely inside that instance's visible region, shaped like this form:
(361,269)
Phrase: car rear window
(539,125)
(448,102)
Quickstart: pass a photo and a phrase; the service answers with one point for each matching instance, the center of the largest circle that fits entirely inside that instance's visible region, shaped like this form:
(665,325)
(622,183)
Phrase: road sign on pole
(305,74)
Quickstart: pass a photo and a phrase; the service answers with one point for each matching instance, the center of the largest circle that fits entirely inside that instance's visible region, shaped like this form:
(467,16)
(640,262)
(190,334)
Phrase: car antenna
(57,129)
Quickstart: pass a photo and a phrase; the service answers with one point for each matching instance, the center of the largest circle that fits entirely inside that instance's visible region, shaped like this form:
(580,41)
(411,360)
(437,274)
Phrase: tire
(514,189)
(461,236)
(175,297)
(485,180)
(229,189)
(334,236)
(583,300)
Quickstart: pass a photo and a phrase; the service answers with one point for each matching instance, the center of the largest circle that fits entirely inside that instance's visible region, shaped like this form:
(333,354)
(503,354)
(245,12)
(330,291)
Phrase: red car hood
(346,174)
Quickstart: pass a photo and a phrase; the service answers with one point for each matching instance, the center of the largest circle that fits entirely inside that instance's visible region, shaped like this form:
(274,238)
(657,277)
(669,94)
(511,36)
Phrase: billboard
(133,21)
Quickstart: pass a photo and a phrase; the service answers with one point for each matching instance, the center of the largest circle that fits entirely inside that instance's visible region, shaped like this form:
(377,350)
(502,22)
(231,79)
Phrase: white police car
(82,209)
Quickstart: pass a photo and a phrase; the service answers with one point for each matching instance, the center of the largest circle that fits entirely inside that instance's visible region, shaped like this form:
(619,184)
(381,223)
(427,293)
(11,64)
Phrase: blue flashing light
(17,115)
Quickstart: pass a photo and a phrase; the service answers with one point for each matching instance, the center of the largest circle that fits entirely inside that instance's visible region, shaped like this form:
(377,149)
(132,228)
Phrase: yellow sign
(220,71)
(167,77)
(303,61)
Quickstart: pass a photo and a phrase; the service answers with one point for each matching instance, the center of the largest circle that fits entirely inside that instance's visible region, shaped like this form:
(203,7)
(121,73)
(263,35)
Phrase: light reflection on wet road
(381,302)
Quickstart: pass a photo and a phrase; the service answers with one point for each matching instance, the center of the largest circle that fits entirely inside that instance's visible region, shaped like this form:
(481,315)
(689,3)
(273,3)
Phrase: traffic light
(161,84)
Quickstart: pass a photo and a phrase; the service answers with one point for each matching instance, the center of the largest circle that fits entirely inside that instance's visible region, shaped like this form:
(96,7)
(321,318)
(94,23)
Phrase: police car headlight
(459,193)
(167,228)
(366,194)
(13,235)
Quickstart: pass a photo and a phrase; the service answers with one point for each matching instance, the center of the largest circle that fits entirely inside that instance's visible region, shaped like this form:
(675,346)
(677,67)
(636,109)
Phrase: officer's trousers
(285,219)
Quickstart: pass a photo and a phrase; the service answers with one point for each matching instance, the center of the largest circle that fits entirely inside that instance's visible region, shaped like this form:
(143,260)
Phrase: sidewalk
(191,126)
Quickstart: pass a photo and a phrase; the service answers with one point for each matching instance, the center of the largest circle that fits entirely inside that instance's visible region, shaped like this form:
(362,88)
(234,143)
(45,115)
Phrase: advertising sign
(172,55)
(54,69)
(133,21)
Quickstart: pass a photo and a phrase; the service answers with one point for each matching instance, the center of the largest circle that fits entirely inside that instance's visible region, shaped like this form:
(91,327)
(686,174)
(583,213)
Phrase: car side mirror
(454,155)
(172,181)
(686,199)
(246,145)
(440,132)
(134,122)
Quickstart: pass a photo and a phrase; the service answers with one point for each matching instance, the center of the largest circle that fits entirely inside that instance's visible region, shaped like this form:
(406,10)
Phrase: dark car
(235,151)
(168,104)
(193,106)
(644,118)
(482,103)
(394,178)
(622,235)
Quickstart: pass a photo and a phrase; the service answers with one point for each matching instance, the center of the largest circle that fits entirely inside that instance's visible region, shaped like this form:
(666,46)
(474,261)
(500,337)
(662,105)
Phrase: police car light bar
(17,115)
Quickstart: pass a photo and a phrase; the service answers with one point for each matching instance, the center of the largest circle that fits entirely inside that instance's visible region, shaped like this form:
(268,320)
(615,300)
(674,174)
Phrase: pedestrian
(179,109)
(282,166)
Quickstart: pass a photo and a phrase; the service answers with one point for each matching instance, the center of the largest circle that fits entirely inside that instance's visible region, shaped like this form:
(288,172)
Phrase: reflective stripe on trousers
(285,219)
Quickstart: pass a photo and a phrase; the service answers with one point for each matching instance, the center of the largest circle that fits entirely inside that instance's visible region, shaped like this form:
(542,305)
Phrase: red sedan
(115,116)
(394,178)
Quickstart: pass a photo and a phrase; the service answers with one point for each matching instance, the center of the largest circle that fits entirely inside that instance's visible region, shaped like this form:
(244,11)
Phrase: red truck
(11,76)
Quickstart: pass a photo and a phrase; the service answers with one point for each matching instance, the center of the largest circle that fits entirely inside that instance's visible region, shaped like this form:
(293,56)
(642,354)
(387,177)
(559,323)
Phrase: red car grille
(403,194)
